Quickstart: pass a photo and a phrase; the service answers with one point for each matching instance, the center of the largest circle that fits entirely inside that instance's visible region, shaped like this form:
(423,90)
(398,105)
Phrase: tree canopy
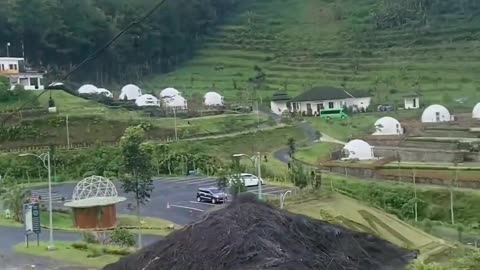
(59,34)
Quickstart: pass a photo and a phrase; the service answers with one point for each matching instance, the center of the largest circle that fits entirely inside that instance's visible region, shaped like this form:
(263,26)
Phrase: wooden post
(415,194)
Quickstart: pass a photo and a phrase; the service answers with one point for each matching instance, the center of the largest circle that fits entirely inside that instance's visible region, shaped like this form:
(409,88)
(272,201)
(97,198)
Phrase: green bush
(94,252)
(80,245)
(122,237)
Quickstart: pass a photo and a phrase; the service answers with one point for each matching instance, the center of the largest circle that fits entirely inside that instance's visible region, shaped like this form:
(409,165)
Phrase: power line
(91,57)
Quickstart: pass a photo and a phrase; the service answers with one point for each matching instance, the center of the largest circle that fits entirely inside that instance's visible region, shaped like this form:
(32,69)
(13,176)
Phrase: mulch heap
(249,234)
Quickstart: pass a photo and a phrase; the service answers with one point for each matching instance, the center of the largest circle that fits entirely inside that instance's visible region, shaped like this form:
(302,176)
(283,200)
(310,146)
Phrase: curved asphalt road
(311,134)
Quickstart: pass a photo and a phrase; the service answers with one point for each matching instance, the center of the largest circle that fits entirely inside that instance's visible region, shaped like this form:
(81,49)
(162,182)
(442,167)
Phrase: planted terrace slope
(252,235)
(301,43)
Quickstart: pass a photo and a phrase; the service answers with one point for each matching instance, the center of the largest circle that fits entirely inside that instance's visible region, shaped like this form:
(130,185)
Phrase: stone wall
(419,155)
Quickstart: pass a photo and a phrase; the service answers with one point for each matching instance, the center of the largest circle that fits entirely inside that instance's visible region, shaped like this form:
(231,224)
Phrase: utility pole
(68,132)
(415,194)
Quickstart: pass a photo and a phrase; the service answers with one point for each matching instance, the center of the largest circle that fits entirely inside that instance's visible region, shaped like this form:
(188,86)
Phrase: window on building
(15,67)
(10,67)
(330,105)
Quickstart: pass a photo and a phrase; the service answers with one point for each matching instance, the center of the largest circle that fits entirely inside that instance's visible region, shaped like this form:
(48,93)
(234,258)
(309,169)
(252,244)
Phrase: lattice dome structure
(94,191)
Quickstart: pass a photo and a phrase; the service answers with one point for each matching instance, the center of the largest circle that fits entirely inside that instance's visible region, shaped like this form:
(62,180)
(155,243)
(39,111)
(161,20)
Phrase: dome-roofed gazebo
(93,203)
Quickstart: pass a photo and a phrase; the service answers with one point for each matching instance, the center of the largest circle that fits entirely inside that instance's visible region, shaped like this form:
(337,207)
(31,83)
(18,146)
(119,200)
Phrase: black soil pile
(249,235)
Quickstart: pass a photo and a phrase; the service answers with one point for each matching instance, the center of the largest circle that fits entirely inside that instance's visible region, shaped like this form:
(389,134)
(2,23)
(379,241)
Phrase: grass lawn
(65,252)
(317,152)
(64,221)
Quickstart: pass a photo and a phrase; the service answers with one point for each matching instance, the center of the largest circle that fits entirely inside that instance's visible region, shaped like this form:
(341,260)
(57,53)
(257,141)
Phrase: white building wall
(278,107)
(332,104)
(6,62)
(411,101)
(360,103)
(26,81)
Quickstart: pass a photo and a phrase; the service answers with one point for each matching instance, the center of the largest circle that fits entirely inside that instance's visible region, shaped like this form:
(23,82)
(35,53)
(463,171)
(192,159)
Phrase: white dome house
(147,100)
(387,126)
(213,99)
(88,89)
(169,92)
(359,150)
(105,92)
(176,102)
(130,92)
(436,114)
(476,111)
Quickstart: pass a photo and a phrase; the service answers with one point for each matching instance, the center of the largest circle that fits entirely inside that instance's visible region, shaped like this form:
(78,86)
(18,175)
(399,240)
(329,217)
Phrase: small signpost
(31,213)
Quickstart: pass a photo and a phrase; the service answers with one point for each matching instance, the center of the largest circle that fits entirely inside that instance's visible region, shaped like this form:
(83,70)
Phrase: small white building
(14,69)
(147,100)
(130,92)
(87,89)
(169,92)
(387,126)
(436,114)
(280,103)
(105,92)
(476,111)
(412,101)
(313,101)
(213,99)
(358,150)
(176,102)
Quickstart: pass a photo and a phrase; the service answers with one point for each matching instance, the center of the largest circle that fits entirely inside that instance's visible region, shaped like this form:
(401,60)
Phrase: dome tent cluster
(169,97)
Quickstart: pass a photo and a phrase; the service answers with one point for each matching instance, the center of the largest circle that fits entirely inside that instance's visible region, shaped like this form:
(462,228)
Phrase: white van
(249,180)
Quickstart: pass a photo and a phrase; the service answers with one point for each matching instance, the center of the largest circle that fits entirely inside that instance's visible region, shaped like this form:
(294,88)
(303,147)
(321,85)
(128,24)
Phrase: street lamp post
(282,198)
(45,158)
(256,163)
(8,49)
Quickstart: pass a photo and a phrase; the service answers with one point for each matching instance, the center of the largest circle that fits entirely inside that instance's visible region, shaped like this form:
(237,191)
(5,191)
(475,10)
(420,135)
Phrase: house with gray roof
(312,101)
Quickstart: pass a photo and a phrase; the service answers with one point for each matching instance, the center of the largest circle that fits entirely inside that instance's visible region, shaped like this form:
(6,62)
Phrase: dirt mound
(249,235)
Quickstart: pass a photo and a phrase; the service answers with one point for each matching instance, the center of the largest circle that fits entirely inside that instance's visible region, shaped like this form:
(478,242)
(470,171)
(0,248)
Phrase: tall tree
(291,146)
(137,163)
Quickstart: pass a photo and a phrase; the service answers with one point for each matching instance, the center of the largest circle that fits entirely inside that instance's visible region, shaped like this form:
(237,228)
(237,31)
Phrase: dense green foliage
(59,33)
(122,237)
(416,13)
(398,199)
(14,198)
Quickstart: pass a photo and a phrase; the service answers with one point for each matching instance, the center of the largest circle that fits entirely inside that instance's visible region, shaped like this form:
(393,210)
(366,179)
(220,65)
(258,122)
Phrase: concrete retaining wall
(420,155)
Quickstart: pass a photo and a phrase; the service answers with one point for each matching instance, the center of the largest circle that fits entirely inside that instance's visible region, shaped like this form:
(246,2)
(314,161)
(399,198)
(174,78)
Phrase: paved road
(173,198)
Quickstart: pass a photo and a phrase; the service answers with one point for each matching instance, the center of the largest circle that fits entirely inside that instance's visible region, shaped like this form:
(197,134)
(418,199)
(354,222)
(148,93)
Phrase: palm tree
(13,199)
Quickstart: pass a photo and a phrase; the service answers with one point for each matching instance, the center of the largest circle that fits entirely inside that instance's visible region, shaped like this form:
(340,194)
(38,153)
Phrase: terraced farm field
(301,43)
(350,213)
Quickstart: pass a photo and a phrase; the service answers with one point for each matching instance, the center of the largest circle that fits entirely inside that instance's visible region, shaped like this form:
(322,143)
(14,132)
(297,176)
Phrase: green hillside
(349,43)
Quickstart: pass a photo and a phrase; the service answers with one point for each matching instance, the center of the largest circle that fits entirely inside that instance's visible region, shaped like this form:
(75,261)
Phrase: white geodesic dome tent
(476,111)
(358,150)
(436,114)
(176,102)
(147,100)
(105,92)
(87,89)
(94,191)
(130,92)
(169,92)
(213,99)
(387,126)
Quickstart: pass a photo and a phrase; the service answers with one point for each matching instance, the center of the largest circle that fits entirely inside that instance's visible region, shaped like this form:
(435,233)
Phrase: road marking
(206,182)
(204,203)
(186,207)
(188,180)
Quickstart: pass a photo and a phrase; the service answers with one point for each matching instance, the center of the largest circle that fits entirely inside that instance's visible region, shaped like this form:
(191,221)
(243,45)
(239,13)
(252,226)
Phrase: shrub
(94,252)
(122,237)
(80,245)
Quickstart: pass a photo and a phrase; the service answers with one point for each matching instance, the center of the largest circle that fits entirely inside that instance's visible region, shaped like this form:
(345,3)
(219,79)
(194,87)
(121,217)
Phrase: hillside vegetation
(388,47)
